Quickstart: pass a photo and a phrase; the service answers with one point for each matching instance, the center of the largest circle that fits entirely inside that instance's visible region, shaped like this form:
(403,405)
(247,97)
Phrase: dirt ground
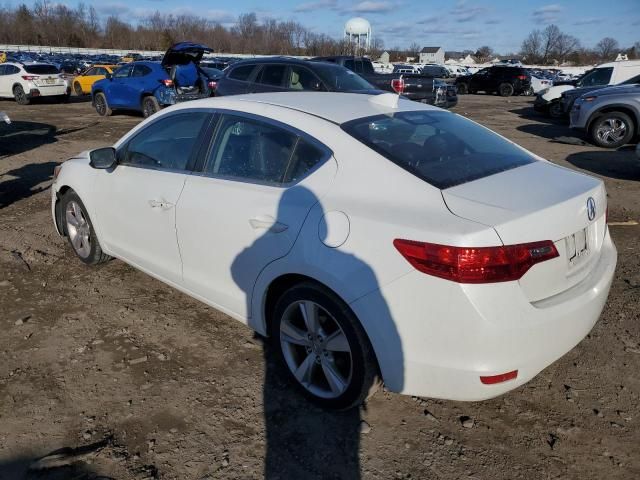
(107,373)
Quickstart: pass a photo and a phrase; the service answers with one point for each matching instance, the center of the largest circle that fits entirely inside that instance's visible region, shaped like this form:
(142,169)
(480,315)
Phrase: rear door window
(91,72)
(167,144)
(441,148)
(251,150)
(242,72)
(306,158)
(123,72)
(140,71)
(272,75)
(598,76)
(350,64)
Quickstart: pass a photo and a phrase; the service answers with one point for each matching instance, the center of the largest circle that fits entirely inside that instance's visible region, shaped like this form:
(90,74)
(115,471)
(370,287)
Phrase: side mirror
(103,158)
(108,76)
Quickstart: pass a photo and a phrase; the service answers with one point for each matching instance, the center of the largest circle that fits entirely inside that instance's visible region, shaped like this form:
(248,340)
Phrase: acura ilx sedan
(369,237)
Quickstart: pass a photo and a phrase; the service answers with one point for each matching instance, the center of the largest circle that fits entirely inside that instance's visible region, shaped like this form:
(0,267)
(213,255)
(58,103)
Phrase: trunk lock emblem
(591,208)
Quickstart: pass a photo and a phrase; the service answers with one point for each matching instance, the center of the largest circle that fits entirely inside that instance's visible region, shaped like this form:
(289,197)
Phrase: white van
(612,73)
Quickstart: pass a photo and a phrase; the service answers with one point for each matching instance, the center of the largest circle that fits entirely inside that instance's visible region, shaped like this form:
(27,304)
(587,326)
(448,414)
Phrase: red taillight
(521,77)
(167,82)
(29,77)
(398,85)
(503,377)
(213,85)
(475,264)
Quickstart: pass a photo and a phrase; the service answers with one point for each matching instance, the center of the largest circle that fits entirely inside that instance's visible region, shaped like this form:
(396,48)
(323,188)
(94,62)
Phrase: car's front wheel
(555,110)
(101,105)
(612,130)
(323,346)
(78,89)
(80,231)
(462,88)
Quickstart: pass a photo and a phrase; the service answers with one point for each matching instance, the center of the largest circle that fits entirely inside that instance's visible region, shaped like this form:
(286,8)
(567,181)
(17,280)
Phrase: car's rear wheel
(77,88)
(150,106)
(529,92)
(101,105)
(462,88)
(612,130)
(20,96)
(505,90)
(324,348)
(80,231)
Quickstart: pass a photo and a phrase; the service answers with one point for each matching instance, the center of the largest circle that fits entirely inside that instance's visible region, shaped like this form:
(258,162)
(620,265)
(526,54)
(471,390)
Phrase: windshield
(41,69)
(598,76)
(340,79)
(441,148)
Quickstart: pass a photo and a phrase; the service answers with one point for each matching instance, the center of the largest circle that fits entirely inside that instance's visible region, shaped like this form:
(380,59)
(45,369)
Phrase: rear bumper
(48,91)
(457,333)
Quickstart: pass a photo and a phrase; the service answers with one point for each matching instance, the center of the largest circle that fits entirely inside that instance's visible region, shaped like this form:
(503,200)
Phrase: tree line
(551,46)
(59,25)
(56,24)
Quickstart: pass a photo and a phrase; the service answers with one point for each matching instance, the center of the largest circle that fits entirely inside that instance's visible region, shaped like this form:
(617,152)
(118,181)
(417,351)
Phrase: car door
(4,83)
(270,79)
(138,82)
(136,200)
(246,208)
(88,78)
(117,87)
(479,80)
(237,81)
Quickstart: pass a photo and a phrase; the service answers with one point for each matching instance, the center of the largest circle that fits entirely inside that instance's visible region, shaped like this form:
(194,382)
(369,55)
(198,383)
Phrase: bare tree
(532,47)
(484,53)
(607,48)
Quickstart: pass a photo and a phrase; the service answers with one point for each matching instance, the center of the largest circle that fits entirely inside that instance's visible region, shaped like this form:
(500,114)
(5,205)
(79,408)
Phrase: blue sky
(453,24)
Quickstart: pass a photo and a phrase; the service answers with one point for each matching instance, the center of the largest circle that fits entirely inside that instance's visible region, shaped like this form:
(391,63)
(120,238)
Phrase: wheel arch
(17,84)
(634,115)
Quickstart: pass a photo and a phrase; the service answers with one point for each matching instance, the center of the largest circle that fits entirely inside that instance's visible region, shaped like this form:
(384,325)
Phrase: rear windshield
(441,148)
(341,79)
(41,69)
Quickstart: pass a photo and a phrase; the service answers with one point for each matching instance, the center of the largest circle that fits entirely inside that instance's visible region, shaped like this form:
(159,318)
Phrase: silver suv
(610,116)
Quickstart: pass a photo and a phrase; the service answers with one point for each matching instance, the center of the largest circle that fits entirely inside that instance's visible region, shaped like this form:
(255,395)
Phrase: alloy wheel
(78,229)
(101,106)
(611,131)
(316,349)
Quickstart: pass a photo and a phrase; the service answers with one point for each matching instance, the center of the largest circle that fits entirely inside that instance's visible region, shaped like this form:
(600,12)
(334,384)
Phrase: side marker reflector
(503,377)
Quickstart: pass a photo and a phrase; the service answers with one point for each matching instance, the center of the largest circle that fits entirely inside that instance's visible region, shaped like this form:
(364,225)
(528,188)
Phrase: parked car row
(24,82)
(503,80)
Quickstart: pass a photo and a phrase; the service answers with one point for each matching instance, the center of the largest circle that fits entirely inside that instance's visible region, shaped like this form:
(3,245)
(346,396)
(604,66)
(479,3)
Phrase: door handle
(160,204)
(268,223)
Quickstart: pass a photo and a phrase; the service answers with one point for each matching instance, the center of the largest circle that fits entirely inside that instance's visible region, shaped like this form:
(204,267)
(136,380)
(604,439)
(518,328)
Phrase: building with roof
(432,55)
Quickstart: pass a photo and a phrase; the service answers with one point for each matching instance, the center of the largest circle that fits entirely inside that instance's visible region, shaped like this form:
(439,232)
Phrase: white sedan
(369,237)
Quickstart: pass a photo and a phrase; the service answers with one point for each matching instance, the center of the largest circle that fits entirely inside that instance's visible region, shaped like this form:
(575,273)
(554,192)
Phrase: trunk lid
(540,201)
(184,52)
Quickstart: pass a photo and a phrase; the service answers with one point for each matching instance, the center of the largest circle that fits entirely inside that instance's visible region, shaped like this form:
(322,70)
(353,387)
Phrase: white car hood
(553,93)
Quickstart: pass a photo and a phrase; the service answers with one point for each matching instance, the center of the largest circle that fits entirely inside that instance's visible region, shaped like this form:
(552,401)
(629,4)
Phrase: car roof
(335,107)
(263,60)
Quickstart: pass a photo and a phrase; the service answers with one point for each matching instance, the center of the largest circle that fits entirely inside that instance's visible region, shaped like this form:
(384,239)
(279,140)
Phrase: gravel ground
(107,373)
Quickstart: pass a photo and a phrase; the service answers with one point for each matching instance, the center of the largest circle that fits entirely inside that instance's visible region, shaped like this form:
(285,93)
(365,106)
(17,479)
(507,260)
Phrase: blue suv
(148,86)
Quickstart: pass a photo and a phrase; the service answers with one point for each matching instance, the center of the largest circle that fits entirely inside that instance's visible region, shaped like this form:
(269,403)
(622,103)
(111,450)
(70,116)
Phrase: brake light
(213,85)
(29,77)
(521,77)
(475,264)
(397,84)
(167,82)
(503,377)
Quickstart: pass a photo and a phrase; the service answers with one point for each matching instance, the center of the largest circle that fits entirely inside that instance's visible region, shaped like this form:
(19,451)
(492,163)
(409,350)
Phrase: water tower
(358,31)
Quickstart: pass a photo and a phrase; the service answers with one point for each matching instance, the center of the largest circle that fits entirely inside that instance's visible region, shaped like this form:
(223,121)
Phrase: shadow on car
(621,164)
(304,440)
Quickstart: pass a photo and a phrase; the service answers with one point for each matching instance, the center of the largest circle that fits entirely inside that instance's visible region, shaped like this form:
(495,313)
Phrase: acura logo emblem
(591,208)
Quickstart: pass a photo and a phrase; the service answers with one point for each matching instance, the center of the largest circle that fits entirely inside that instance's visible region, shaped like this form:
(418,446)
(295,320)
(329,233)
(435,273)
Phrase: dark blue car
(148,86)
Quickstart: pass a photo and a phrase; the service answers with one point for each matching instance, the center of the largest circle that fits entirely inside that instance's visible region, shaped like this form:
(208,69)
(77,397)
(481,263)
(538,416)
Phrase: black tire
(101,105)
(555,110)
(505,90)
(95,255)
(605,122)
(20,96)
(150,106)
(528,92)
(463,89)
(364,374)
(78,89)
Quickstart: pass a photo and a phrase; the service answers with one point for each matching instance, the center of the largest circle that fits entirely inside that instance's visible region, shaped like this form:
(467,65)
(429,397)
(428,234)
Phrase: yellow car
(83,82)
